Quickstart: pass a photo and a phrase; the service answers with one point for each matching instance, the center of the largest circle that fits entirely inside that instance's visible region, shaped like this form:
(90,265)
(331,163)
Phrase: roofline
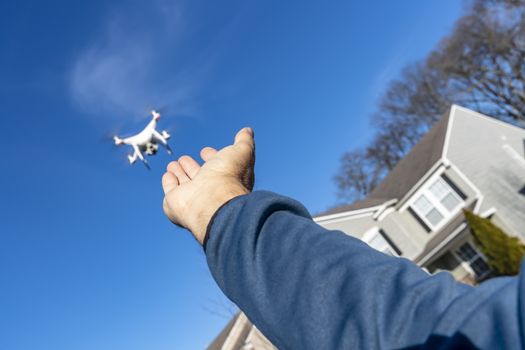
(383,207)
(464,177)
(447,133)
(375,211)
(452,236)
(440,162)
(492,119)
(441,245)
(443,161)
(236,330)
(447,163)
(347,213)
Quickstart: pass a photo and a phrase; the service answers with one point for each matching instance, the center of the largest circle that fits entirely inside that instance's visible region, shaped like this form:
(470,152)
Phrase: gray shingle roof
(415,164)
(407,172)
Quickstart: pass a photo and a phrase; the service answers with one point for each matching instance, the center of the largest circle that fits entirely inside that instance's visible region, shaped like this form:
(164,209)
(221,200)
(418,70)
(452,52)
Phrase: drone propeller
(115,130)
(108,141)
(107,137)
(159,109)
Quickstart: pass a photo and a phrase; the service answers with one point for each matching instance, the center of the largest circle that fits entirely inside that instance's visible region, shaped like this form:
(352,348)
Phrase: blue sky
(87,259)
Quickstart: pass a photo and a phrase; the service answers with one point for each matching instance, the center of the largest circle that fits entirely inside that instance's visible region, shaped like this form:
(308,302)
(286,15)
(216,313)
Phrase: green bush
(503,252)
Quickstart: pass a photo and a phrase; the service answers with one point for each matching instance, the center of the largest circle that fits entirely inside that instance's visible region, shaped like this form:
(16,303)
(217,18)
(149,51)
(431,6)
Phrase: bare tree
(480,65)
(483,61)
(359,175)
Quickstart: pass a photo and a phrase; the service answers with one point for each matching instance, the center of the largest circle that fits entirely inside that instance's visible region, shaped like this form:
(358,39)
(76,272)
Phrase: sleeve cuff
(208,229)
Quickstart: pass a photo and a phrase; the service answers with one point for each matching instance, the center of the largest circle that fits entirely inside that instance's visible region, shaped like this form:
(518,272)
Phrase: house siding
(355,226)
(395,228)
(405,231)
(486,158)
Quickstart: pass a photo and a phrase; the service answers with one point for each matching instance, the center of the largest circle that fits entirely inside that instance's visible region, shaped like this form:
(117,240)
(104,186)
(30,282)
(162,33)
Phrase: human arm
(307,287)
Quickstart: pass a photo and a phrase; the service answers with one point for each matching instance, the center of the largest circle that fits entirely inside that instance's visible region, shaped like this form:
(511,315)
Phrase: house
(466,161)
(240,334)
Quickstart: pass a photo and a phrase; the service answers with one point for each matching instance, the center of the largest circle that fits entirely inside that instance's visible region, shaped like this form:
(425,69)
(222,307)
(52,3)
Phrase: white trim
(384,213)
(235,331)
(440,246)
(448,132)
(486,117)
(478,195)
(478,255)
(372,233)
(357,212)
(387,205)
(437,167)
(443,161)
(369,234)
(421,188)
(343,218)
(465,265)
(375,211)
(436,203)
(488,212)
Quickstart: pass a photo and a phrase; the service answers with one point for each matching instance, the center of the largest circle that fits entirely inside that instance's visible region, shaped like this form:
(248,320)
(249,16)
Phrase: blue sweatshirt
(306,287)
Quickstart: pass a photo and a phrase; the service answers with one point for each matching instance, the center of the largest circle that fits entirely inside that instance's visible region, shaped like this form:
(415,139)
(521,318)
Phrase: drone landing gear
(133,158)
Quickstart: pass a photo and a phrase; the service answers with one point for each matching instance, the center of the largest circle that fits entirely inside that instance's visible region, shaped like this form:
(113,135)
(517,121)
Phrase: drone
(146,141)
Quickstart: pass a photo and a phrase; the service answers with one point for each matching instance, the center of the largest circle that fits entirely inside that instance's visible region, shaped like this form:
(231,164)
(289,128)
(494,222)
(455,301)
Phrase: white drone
(146,141)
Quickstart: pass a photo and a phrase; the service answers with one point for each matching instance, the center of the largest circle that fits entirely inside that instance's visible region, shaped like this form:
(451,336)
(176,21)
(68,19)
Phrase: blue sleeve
(306,287)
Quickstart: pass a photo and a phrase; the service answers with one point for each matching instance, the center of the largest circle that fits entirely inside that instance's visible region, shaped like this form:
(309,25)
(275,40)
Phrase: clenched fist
(193,193)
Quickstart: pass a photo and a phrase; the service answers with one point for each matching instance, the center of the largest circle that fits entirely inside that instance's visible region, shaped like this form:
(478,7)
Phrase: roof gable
(415,164)
(407,172)
(361,204)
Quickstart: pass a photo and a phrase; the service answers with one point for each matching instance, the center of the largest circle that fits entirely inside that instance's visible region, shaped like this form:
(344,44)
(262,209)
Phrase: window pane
(480,267)
(466,252)
(422,205)
(450,202)
(434,217)
(439,188)
(378,242)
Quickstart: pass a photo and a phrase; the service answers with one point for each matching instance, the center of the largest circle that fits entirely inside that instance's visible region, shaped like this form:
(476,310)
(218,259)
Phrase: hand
(193,193)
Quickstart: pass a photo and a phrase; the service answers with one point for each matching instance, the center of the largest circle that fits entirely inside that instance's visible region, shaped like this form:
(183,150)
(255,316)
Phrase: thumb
(245,135)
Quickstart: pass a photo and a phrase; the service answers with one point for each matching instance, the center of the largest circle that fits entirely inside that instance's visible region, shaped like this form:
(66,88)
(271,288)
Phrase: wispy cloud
(128,66)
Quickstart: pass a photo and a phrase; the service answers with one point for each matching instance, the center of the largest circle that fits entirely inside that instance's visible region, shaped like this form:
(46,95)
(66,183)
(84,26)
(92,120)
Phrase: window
(436,203)
(379,240)
(470,255)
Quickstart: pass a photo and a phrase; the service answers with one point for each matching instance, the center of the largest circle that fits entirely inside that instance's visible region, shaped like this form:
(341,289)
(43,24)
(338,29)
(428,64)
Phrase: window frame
(436,203)
(478,255)
(371,234)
